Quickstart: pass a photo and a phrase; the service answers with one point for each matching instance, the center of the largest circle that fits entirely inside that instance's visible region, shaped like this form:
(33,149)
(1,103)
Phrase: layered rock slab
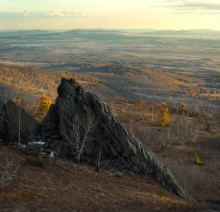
(74,109)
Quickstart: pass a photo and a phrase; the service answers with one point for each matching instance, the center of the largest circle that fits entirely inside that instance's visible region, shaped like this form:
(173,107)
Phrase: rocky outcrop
(3,120)
(83,125)
(50,132)
(9,123)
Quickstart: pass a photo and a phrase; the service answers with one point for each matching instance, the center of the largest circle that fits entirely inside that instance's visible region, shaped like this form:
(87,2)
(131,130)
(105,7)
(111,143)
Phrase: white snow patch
(52,155)
(40,142)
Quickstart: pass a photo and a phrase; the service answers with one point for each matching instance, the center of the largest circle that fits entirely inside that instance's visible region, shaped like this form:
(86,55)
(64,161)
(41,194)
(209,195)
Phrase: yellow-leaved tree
(164,115)
(197,159)
(183,107)
(44,105)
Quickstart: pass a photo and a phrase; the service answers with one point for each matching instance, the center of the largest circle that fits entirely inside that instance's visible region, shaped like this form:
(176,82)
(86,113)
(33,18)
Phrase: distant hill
(23,33)
(188,32)
(163,65)
(32,83)
(130,82)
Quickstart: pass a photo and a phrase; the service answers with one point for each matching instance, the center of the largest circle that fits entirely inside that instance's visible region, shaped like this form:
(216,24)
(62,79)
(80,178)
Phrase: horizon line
(102,28)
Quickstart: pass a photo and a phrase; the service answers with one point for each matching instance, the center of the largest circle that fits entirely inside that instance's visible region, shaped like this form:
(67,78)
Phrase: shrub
(35,163)
(160,192)
(197,159)
(183,107)
(8,171)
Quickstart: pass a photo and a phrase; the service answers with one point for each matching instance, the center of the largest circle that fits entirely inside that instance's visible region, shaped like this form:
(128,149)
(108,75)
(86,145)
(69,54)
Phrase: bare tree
(140,109)
(19,127)
(184,130)
(98,159)
(180,130)
(165,138)
(8,172)
(153,113)
(79,135)
(31,136)
(194,132)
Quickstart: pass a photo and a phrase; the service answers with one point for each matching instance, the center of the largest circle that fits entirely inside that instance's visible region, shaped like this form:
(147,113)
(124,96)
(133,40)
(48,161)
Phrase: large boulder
(13,118)
(87,127)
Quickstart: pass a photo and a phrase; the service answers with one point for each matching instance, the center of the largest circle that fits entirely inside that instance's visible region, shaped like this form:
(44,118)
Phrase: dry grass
(8,171)
(65,186)
(182,139)
(192,177)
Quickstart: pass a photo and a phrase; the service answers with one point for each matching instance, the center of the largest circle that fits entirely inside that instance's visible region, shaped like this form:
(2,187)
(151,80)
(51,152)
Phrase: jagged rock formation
(9,123)
(50,132)
(2,120)
(79,116)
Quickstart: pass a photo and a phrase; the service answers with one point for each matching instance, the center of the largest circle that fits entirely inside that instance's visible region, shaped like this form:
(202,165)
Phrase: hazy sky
(70,14)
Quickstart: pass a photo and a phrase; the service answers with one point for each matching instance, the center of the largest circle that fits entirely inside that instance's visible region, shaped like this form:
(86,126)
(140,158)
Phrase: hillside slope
(129,81)
(57,185)
(30,84)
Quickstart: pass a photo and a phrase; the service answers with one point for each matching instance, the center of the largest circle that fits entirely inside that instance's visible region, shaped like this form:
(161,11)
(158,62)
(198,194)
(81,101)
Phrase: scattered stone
(116,173)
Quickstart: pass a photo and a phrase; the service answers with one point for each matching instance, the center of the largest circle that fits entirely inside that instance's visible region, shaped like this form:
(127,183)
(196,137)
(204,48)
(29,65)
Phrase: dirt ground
(61,185)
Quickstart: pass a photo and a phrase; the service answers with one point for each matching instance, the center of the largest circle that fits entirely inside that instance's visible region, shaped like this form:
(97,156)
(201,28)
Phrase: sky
(110,14)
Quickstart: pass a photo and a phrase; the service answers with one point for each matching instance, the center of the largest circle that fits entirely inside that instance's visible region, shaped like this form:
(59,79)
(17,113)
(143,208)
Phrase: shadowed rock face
(74,109)
(2,120)
(9,121)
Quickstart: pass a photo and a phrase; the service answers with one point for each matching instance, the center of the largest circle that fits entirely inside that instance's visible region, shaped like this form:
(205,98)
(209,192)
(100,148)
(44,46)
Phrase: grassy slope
(201,182)
(66,186)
